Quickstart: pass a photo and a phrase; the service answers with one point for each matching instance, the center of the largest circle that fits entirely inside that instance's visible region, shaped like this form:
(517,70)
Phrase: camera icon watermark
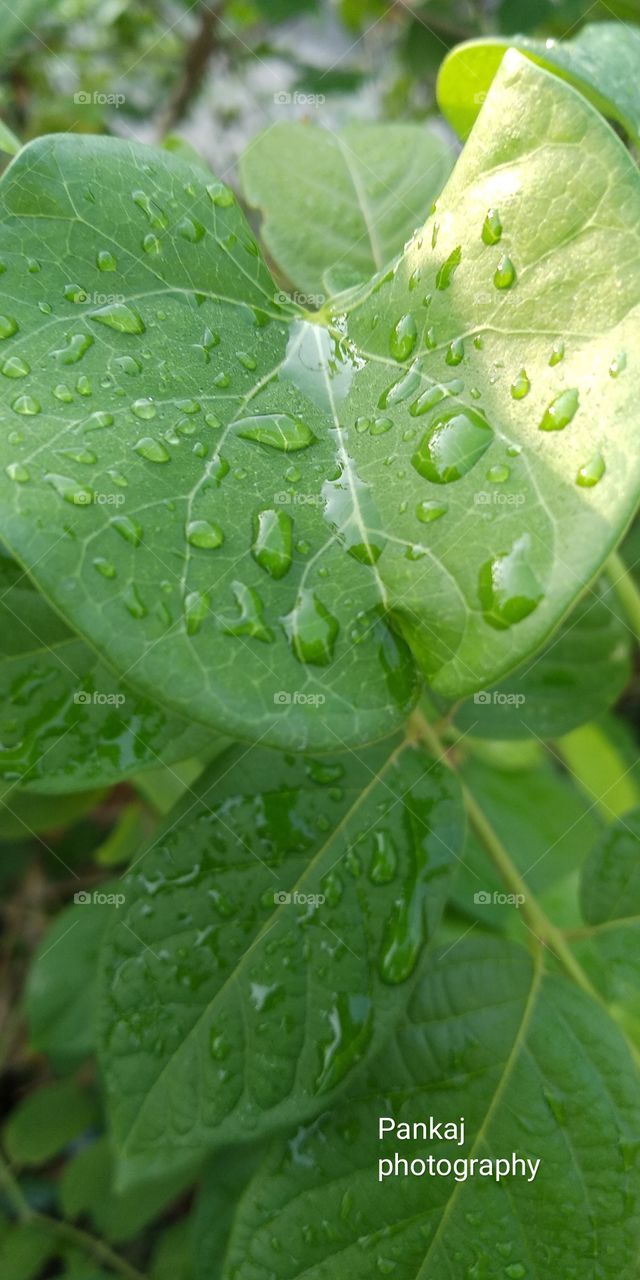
(483,898)
(285,699)
(283,899)
(86,98)
(83,698)
(498,498)
(300,299)
(284,498)
(83,898)
(496,698)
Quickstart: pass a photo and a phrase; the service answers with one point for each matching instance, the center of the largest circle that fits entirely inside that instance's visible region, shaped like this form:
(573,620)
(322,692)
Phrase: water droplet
(118,316)
(492,227)
(15,367)
(618,364)
(200,533)
(16,471)
(250,620)
(79,495)
(428,400)
(144,408)
(246,360)
(448,269)
(133,602)
(557,353)
(27,405)
(277,430)
(505,273)
(384,862)
(351,1027)
(153,212)
(499,473)
(455,352)
(106,261)
(401,389)
(508,588)
(591,472)
(128,529)
(8,326)
(83,385)
(190,230)
(273,541)
(521,386)
(99,420)
(311,629)
(104,567)
(152,450)
(74,350)
(220,195)
(403,337)
(452,446)
(196,608)
(83,456)
(63,393)
(561,411)
(75,293)
(430,510)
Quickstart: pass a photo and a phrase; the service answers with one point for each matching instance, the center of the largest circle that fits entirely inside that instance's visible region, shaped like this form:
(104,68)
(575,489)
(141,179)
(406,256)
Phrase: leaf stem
(63,1230)
(625,589)
(532,912)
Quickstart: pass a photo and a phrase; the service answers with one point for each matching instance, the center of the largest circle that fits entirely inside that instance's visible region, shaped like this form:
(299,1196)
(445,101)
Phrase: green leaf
(543,821)
(24,1248)
(23,815)
(611,879)
(8,141)
(605,765)
(581,672)
(46,1121)
(87,1187)
(270,586)
(66,722)
(268,941)
(536,1069)
(602,61)
(223,1182)
(171,1257)
(61,988)
(363,190)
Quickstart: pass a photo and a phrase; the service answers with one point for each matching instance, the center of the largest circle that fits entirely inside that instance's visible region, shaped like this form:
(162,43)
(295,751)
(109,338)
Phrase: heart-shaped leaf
(362,190)
(297,495)
(537,1071)
(268,941)
(66,722)
(602,61)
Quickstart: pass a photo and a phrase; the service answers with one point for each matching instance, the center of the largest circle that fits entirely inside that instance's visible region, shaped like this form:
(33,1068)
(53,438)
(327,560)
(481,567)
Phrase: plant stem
(625,589)
(56,1227)
(532,912)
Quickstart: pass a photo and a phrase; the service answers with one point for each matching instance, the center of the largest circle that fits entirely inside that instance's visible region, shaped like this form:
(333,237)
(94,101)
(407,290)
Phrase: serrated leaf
(363,190)
(269,941)
(602,61)
(580,673)
(536,1069)
(66,722)
(284,568)
(47,1120)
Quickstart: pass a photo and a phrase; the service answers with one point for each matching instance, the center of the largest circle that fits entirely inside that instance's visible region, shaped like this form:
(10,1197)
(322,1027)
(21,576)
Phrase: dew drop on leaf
(119,316)
(430,510)
(18,472)
(200,533)
(133,602)
(561,411)
(452,446)
(492,227)
(8,326)
(26,405)
(403,337)
(311,629)
(152,450)
(505,273)
(196,608)
(591,472)
(508,588)
(557,353)
(144,408)
(273,541)
(249,621)
(15,367)
(79,495)
(277,431)
(448,269)
(618,364)
(106,260)
(498,474)
(521,386)
(128,528)
(455,352)
(104,567)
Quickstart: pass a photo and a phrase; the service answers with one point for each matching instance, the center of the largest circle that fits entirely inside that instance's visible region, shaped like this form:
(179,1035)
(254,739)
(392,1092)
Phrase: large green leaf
(537,1070)
(66,722)
(309,516)
(268,941)
(579,674)
(602,61)
(362,191)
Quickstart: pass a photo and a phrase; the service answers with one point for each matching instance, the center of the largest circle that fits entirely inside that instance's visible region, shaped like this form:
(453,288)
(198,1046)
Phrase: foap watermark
(84,698)
(498,498)
(496,698)
(484,898)
(298,99)
(285,699)
(298,499)
(300,299)
(283,899)
(97,98)
(99,899)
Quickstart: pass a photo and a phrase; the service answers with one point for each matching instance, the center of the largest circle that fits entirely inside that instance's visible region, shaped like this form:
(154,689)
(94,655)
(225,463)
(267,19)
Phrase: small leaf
(364,190)
(47,1120)
(602,61)
(611,877)
(269,941)
(537,1070)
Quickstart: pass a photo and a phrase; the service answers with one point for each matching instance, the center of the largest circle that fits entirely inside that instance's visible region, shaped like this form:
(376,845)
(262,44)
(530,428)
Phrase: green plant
(322,561)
